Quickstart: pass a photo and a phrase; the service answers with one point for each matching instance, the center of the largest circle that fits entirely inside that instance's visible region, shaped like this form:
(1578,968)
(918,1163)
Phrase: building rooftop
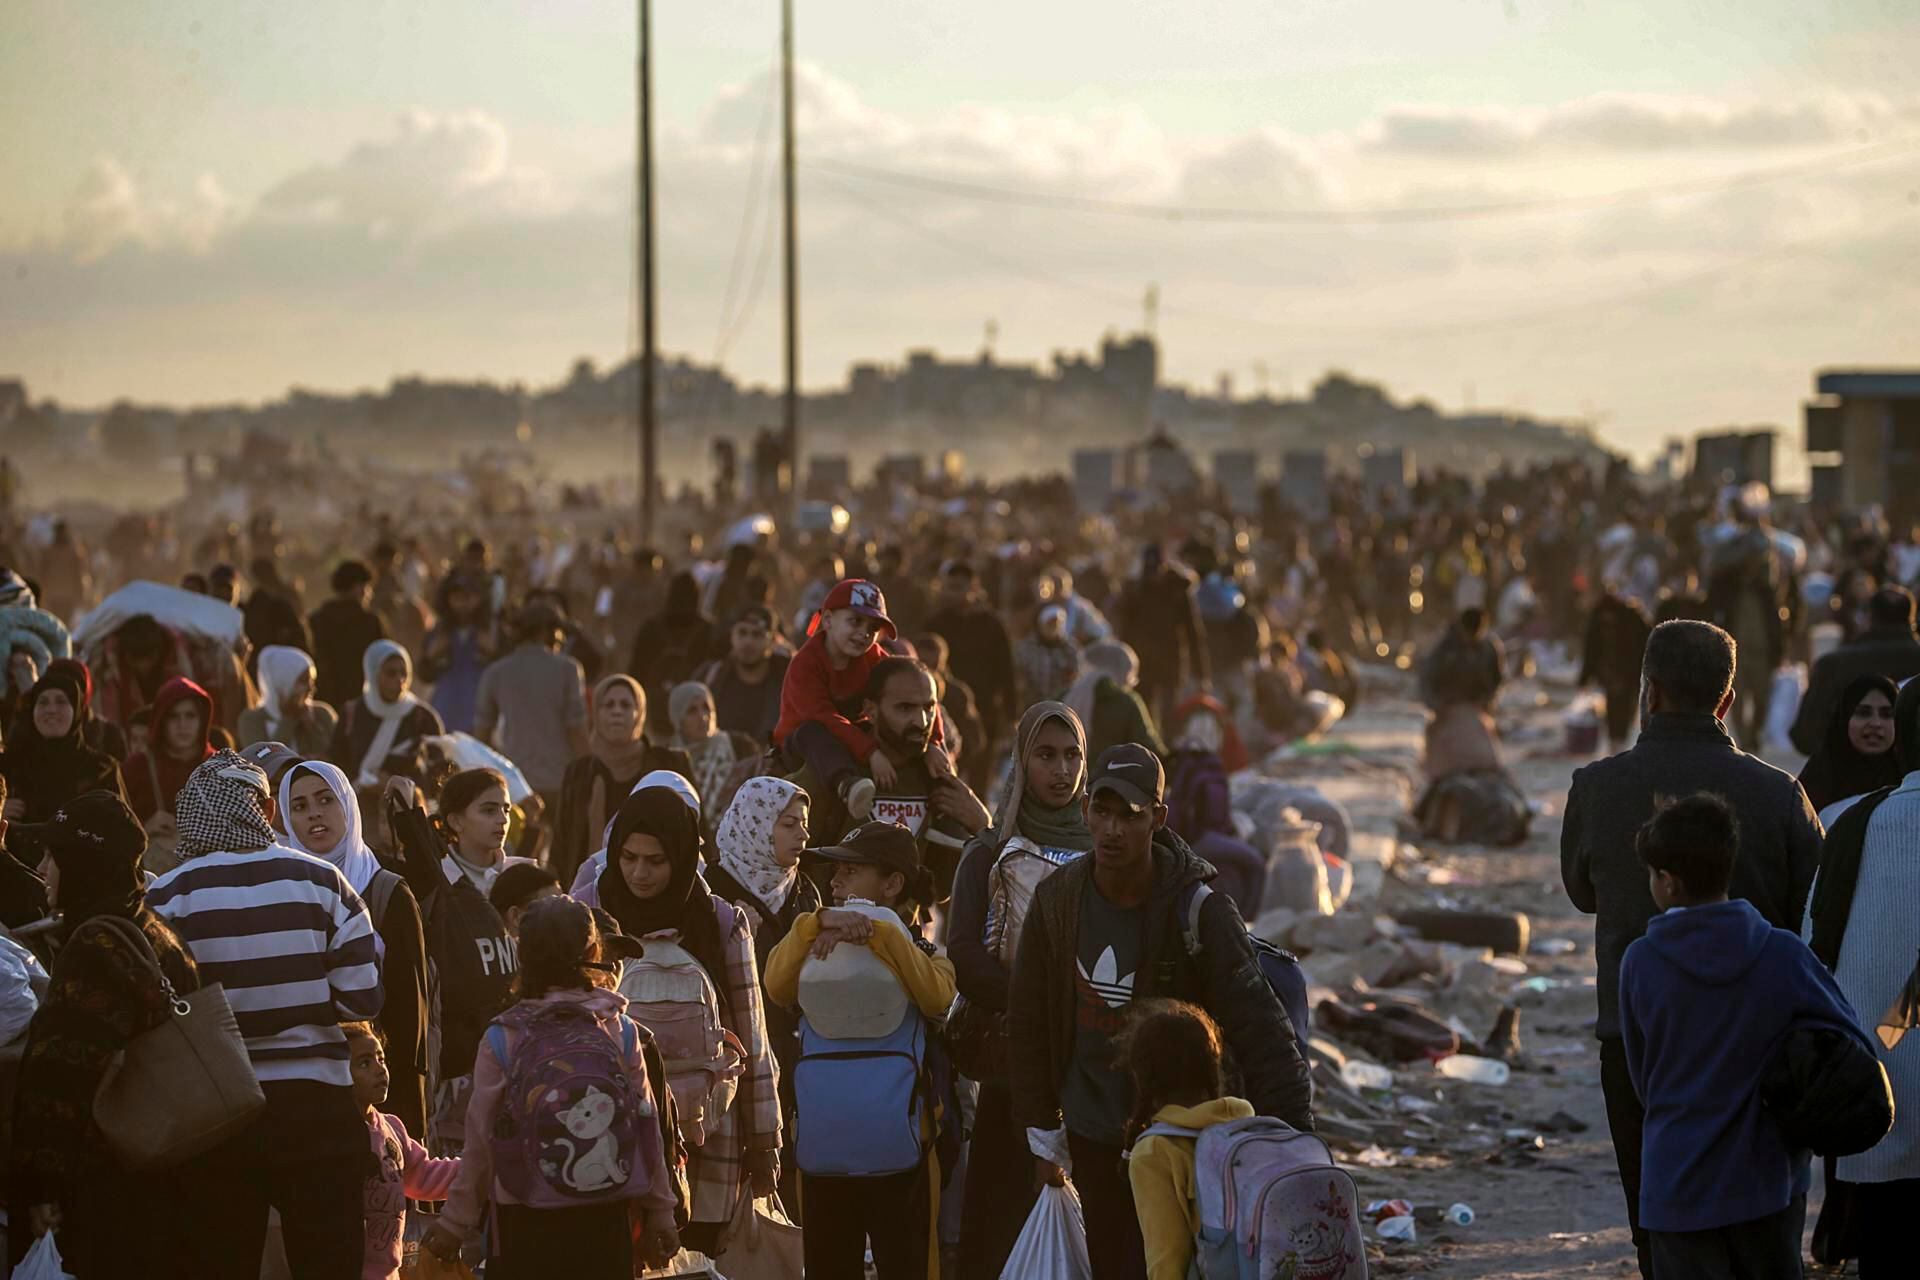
(1885,384)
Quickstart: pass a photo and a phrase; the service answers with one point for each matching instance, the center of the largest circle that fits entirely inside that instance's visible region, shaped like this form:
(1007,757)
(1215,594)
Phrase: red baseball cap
(864,599)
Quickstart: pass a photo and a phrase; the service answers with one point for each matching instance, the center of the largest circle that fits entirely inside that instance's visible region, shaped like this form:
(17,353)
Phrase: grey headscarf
(1006,823)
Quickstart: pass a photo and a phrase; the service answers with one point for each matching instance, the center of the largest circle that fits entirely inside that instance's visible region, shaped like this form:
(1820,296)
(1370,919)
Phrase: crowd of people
(590,905)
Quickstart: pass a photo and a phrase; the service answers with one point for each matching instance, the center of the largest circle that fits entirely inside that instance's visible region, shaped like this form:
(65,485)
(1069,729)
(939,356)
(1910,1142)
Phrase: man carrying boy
(1705,997)
(826,688)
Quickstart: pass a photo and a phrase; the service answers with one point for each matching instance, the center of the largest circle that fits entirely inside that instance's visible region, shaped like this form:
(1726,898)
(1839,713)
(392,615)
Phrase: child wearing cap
(823,692)
(878,864)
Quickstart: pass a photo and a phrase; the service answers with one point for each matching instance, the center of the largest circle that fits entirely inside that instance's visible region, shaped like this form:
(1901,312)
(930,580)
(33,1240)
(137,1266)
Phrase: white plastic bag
(42,1262)
(1053,1244)
(1789,687)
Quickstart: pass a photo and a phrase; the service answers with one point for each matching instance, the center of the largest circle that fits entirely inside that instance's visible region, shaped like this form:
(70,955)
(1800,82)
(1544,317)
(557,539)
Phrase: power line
(994,194)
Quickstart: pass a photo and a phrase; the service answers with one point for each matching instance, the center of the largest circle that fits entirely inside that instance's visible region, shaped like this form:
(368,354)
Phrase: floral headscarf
(745,841)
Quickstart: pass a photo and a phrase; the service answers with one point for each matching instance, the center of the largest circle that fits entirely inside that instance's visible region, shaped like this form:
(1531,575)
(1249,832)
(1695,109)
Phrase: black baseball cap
(1131,772)
(274,759)
(95,822)
(883,844)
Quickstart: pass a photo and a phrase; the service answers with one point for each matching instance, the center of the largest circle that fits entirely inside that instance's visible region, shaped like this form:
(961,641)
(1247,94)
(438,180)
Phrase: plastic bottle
(1460,1215)
(1465,1067)
(1365,1075)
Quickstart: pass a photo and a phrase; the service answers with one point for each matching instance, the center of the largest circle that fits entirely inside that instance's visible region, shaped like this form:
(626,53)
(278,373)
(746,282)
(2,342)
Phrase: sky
(1657,216)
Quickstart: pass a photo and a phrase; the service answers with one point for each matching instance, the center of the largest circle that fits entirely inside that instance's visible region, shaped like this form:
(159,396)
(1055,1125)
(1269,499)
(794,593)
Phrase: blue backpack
(1281,968)
(860,1103)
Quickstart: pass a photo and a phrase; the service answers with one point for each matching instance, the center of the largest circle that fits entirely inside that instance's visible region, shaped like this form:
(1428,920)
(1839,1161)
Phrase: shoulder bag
(182,1087)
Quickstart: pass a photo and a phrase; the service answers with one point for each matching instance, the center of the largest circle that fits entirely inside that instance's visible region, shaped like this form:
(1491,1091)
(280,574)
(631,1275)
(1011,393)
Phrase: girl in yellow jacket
(896,1214)
(1173,1055)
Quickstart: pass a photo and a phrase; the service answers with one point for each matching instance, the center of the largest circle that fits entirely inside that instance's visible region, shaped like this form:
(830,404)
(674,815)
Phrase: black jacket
(1678,754)
(1224,979)
(981,653)
(1891,651)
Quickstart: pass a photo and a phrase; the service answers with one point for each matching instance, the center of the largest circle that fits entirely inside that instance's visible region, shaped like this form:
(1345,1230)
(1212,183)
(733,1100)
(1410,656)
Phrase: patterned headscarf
(223,807)
(745,840)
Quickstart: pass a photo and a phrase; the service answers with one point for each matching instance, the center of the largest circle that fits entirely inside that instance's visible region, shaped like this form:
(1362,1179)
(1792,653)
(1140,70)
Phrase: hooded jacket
(153,777)
(1706,997)
(1223,978)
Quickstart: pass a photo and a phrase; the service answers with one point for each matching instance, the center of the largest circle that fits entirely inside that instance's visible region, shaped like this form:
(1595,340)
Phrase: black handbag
(977,1042)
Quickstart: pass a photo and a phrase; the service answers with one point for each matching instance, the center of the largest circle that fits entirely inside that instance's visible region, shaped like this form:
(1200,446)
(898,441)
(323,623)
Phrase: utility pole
(792,403)
(643,201)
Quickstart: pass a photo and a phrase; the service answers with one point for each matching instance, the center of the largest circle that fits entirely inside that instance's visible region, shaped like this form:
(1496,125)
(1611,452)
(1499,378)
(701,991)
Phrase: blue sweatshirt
(1705,998)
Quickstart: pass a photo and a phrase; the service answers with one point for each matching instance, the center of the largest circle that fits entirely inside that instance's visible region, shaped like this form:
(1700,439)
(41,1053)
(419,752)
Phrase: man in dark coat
(1888,647)
(1686,690)
(342,628)
(1617,634)
(979,648)
(1160,618)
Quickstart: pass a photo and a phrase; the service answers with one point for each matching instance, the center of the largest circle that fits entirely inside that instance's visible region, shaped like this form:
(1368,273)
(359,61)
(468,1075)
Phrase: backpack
(1271,1203)
(861,1102)
(671,994)
(574,1128)
(1280,967)
(1016,873)
(379,893)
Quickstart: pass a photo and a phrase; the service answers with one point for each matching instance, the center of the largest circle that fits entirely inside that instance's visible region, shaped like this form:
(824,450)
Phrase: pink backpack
(1272,1203)
(670,993)
(574,1127)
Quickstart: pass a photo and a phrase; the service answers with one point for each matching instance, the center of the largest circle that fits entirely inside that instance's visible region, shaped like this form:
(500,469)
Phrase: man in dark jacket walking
(342,629)
(1888,647)
(1101,932)
(1160,617)
(979,648)
(1686,690)
(1616,643)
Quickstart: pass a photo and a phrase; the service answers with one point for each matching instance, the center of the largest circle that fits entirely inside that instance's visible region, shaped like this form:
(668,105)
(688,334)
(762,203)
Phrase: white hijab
(391,713)
(351,855)
(280,669)
(745,840)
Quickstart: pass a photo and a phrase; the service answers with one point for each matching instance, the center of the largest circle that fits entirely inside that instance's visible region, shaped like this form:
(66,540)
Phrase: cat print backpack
(670,993)
(1272,1203)
(574,1127)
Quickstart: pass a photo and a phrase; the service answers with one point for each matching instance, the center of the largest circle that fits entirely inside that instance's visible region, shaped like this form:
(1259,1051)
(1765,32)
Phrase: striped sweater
(293,946)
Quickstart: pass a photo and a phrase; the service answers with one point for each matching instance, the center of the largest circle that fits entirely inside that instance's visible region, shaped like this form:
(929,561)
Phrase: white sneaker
(859,798)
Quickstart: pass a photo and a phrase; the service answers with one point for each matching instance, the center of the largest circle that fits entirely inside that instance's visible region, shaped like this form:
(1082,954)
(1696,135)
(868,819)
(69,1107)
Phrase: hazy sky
(207,200)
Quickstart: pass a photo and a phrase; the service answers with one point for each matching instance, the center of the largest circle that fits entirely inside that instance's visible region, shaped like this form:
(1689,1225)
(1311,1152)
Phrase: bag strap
(379,894)
(132,937)
(1190,918)
(1168,1131)
(153,781)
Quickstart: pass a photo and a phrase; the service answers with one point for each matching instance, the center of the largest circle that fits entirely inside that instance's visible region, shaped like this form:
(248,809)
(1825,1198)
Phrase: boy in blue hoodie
(1705,997)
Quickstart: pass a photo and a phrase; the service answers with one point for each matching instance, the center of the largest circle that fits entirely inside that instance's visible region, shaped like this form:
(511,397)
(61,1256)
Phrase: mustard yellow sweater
(1161,1170)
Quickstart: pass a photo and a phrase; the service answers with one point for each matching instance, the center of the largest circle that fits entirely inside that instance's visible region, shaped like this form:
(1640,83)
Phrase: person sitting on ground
(1467,666)
(1705,999)
(287,712)
(821,696)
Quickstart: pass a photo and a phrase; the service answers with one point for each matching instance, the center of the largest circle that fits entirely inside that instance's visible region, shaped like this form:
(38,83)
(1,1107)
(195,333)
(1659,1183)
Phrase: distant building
(1096,478)
(1734,457)
(1863,431)
(1236,473)
(1303,481)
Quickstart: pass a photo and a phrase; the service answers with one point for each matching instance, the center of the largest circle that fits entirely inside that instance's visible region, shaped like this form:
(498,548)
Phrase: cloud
(1638,123)
(436,245)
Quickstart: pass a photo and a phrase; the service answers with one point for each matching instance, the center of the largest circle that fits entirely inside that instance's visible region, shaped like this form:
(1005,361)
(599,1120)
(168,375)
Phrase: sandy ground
(1547,1201)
